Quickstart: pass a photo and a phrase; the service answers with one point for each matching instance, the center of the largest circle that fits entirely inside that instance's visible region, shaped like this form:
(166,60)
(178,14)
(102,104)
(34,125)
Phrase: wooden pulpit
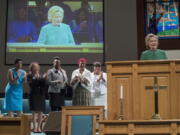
(15,125)
(132,86)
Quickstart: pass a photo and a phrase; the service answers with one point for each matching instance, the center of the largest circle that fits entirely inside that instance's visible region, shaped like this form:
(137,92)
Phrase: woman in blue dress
(14,89)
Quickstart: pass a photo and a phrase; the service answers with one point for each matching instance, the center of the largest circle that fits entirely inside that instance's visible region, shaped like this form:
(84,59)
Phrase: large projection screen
(38,30)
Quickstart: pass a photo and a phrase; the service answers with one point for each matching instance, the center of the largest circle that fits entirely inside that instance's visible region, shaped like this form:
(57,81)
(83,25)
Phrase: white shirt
(99,86)
(86,74)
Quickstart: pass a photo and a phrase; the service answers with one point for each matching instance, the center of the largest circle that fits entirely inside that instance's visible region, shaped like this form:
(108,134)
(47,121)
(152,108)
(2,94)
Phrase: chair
(71,115)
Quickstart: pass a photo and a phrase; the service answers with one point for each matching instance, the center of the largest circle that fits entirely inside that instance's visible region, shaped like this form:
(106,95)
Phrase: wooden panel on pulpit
(123,96)
(139,127)
(140,79)
(147,96)
(178,93)
(164,97)
(14,126)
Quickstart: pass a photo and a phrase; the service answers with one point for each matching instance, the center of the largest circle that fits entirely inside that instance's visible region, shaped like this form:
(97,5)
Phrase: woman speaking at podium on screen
(153,53)
(56,32)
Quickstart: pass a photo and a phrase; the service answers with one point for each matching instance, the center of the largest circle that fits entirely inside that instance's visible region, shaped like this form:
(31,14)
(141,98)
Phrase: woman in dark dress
(37,95)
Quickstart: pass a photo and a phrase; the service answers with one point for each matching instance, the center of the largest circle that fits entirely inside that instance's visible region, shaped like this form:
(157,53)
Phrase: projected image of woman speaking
(56,32)
(68,28)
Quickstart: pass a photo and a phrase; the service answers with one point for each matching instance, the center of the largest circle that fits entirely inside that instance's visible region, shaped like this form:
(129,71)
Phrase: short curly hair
(147,38)
(53,10)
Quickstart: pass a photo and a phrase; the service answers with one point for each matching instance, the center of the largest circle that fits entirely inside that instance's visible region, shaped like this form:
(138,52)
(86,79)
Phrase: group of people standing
(89,88)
